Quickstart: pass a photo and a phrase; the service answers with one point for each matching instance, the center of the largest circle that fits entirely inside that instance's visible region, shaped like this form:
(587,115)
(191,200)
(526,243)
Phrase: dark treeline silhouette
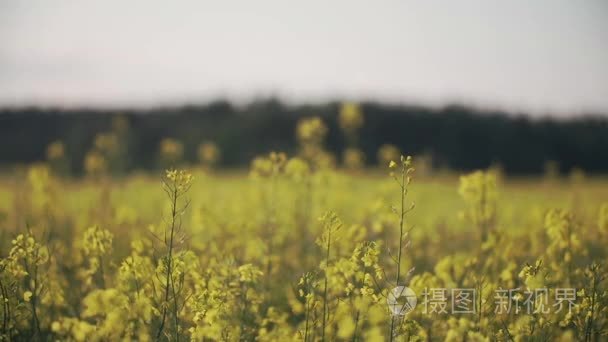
(457,137)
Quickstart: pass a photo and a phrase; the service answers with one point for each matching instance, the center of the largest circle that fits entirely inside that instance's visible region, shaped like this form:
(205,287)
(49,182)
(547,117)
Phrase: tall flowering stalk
(331,225)
(25,265)
(478,190)
(404,181)
(175,184)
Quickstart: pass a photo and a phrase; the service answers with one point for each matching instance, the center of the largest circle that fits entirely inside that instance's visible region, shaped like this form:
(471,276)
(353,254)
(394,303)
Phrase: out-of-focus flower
(209,153)
(350,117)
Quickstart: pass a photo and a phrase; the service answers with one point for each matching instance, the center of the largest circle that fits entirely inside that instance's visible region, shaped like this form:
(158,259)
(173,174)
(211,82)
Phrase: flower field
(290,254)
(295,249)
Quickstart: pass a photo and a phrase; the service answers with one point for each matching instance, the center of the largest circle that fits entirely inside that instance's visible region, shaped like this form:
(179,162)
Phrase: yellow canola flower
(350,117)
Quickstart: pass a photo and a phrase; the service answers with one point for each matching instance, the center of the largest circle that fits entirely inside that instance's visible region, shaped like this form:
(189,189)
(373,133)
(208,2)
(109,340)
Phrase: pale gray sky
(539,56)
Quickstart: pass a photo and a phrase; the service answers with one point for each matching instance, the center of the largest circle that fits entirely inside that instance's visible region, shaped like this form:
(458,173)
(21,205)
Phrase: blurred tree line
(454,137)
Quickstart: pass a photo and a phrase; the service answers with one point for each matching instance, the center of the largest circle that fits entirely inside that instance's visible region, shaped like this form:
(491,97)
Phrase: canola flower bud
(272,165)
(95,163)
(97,241)
(387,153)
(350,118)
(209,153)
(311,130)
(181,178)
(171,150)
(106,142)
(56,150)
(353,158)
(249,273)
(297,169)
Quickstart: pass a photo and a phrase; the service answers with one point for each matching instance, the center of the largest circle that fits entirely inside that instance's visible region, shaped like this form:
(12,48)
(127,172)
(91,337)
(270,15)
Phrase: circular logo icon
(405,306)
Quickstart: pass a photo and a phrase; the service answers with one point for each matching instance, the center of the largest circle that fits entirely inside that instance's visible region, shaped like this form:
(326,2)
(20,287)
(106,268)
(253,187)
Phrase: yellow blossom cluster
(299,252)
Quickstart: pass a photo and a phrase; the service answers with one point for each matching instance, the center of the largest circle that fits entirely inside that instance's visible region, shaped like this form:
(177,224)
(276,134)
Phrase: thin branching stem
(325,285)
(403,188)
(169,262)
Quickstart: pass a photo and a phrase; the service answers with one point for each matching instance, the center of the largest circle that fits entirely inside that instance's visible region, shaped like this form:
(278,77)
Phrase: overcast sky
(538,56)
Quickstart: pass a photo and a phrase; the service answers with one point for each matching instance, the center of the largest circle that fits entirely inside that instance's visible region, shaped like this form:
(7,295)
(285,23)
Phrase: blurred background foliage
(226,135)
